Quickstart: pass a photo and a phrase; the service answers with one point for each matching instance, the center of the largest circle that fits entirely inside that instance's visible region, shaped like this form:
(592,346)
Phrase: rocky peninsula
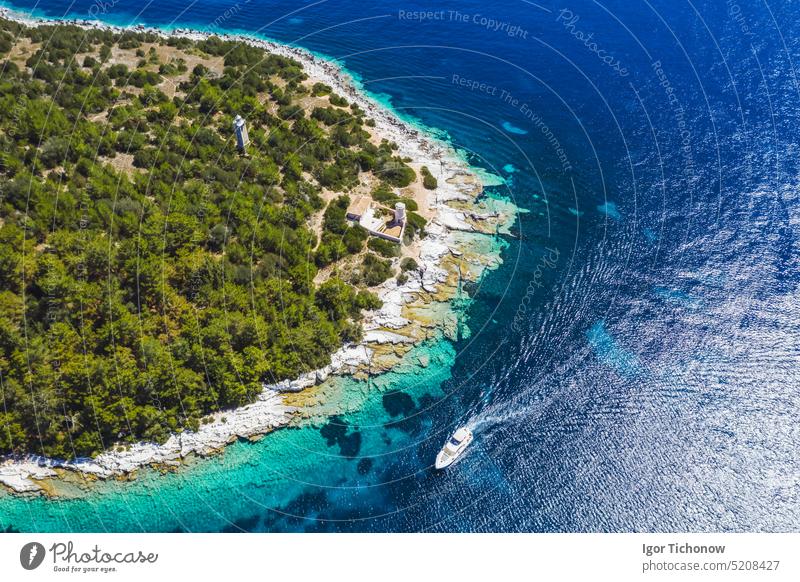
(460,241)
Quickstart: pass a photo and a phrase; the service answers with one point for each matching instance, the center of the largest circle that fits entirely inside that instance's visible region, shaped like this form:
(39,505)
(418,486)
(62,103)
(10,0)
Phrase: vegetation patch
(428,180)
(136,299)
(373,271)
(384,247)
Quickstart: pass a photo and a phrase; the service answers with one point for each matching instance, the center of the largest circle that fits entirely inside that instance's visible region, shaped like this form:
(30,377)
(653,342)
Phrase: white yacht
(454,447)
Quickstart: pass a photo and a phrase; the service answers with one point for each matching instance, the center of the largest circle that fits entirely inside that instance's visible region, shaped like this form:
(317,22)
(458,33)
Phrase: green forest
(150,273)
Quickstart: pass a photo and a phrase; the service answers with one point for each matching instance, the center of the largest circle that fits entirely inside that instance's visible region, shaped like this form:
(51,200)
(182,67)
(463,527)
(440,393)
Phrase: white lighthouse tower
(241,133)
(399,213)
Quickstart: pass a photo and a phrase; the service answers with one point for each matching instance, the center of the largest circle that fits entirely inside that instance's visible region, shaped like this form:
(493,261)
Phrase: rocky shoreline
(409,313)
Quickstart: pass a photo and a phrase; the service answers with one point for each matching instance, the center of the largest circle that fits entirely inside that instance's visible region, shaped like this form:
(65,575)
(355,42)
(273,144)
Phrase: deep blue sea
(634,364)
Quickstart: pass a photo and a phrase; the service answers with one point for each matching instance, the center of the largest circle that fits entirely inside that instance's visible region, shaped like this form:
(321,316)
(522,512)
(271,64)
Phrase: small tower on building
(399,213)
(241,133)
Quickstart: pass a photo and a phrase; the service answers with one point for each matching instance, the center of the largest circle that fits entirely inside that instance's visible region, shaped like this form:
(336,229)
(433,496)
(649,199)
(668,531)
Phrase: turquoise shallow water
(262,479)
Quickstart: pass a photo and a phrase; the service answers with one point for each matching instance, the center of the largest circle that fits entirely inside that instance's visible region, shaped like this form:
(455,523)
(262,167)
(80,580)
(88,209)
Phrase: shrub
(415,224)
(384,247)
(416,221)
(408,264)
(337,100)
(428,180)
(397,173)
(373,271)
(383,193)
(335,219)
(367,300)
(354,238)
(320,89)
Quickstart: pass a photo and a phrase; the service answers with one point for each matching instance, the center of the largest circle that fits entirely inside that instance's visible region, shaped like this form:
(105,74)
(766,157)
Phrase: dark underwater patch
(335,433)
(364,466)
(398,403)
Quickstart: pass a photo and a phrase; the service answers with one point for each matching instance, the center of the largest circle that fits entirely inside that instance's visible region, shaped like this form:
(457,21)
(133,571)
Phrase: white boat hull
(447,456)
